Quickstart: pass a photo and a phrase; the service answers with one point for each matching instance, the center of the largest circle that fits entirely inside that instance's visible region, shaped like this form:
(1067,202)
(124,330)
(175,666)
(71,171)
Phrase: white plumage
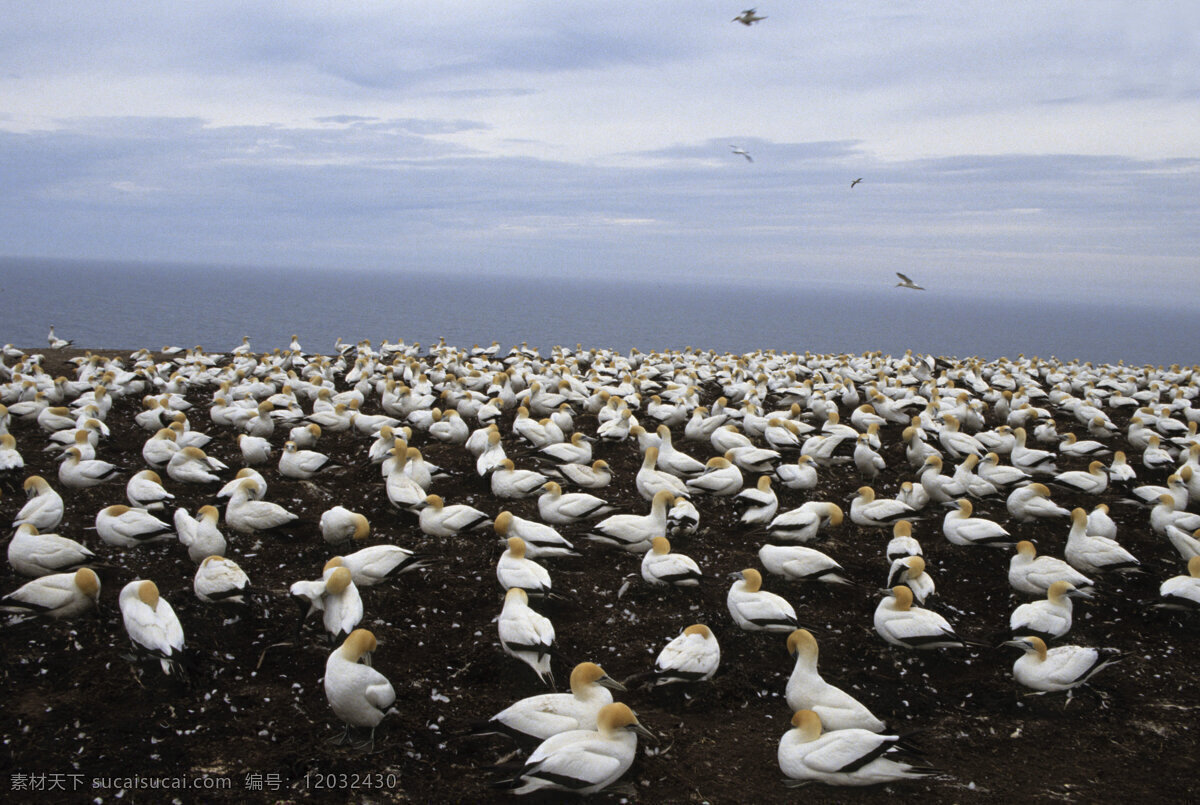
(526,634)
(807,690)
(756,610)
(151,623)
(358,694)
(693,656)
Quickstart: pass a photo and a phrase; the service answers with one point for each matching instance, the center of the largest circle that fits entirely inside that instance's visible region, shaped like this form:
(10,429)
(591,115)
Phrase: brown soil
(74,704)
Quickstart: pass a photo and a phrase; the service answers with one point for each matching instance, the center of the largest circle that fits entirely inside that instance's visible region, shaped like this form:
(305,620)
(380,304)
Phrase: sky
(1049,147)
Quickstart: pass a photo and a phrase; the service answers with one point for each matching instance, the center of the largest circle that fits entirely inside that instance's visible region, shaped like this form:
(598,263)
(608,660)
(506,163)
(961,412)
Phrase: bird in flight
(742,151)
(907,282)
(748,17)
(856,181)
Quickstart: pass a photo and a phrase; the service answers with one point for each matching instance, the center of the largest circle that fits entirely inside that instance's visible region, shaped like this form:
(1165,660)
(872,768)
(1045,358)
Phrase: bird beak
(1078,593)
(638,728)
(608,682)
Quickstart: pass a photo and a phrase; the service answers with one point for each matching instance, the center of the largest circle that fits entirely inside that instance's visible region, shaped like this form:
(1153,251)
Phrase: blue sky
(1034,145)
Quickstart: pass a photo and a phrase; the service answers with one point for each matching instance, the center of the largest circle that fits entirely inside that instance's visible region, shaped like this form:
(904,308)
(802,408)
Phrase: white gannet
(1050,617)
(538,717)
(510,483)
(1033,574)
(439,520)
(339,525)
(572,507)
(1032,502)
(938,487)
(57,343)
(801,475)
(127,528)
(807,690)
(660,566)
(43,509)
(899,623)
(145,491)
(692,656)
(803,523)
(758,503)
(34,554)
(1182,592)
(1099,522)
(1001,476)
(1031,459)
(1057,669)
(76,473)
(514,569)
(341,602)
(359,695)
(683,518)
(960,528)
(302,465)
(220,580)
(650,481)
(1166,513)
(956,442)
(1092,482)
(191,465)
(1089,553)
(633,532)
(1071,445)
(594,476)
(866,510)
(151,623)
(868,462)
(526,635)
(737,149)
(848,757)
(1187,544)
(905,280)
(672,460)
(584,761)
(378,563)
(255,449)
(257,490)
(246,515)
(60,595)
(754,609)
(540,539)
(200,534)
(910,571)
(800,563)
(721,479)
(10,457)
(902,543)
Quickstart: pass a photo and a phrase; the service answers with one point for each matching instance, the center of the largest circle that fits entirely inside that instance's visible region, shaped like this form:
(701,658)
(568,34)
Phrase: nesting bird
(846,757)
(807,690)
(546,714)
(527,635)
(359,695)
(58,595)
(754,609)
(662,567)
(692,656)
(151,624)
(1057,669)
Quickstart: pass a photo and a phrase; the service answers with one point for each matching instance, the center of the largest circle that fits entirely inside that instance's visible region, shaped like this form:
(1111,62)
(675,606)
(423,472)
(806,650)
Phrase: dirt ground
(78,714)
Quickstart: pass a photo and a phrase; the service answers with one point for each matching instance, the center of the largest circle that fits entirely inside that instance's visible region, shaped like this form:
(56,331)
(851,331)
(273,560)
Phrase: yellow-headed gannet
(806,690)
(359,695)
(1062,668)
(756,610)
(539,717)
(60,595)
(151,623)
(526,635)
(847,757)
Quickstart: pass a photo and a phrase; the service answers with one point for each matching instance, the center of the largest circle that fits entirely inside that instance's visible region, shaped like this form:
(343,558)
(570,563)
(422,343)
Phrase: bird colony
(669,576)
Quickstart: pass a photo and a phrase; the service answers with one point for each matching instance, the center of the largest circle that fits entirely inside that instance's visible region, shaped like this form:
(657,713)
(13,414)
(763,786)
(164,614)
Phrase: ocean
(110,305)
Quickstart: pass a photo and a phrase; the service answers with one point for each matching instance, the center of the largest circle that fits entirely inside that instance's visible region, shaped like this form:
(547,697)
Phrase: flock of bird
(706,432)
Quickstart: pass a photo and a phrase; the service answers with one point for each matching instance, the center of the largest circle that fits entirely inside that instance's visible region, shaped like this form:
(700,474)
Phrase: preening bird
(359,695)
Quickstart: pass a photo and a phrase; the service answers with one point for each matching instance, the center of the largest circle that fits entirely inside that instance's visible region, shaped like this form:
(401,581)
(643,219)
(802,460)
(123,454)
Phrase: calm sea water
(119,305)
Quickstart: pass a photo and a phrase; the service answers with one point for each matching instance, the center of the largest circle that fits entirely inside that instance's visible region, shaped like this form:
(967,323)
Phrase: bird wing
(578,764)
(689,654)
(380,694)
(846,750)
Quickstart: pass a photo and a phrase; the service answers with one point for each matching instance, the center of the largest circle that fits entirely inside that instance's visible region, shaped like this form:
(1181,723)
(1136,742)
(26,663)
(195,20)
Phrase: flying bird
(856,181)
(740,150)
(906,281)
(748,17)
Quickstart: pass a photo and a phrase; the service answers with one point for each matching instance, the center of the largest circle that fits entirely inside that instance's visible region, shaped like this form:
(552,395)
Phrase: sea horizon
(110,304)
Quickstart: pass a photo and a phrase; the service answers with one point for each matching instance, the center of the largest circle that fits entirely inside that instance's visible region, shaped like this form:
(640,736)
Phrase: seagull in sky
(907,282)
(742,151)
(856,181)
(748,17)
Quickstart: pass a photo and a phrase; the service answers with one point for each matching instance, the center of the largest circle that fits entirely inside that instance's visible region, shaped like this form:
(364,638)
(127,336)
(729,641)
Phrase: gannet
(758,503)
(906,281)
(1028,503)
(302,464)
(596,476)
(151,623)
(801,475)
(846,757)
(305,436)
(539,717)
(1119,471)
(191,465)
(633,532)
(692,656)
(868,462)
(1149,494)
(572,507)
(1057,669)
(76,473)
(649,481)
(1165,513)
(1049,618)
(127,528)
(439,520)
(510,483)
(675,461)
(721,479)
(492,454)
(200,534)
(756,610)
(1188,544)
(913,495)
(660,566)
(1092,482)
(60,595)
(902,543)
(910,571)
(956,442)
(526,635)
(1033,574)
(584,761)
(540,539)
(799,563)
(61,343)
(806,690)
(1001,476)
(33,554)
(738,149)
(145,491)
(803,523)
(359,695)
(255,449)
(866,511)
(339,525)
(246,515)
(515,570)
(378,563)
(1089,553)
(220,580)
(43,509)
(159,448)
(1182,592)
(1071,445)
(1031,459)
(960,528)
(899,623)
(257,490)
(1100,523)
(938,487)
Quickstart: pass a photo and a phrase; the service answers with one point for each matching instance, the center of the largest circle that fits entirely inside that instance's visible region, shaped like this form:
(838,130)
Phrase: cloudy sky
(1046,145)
